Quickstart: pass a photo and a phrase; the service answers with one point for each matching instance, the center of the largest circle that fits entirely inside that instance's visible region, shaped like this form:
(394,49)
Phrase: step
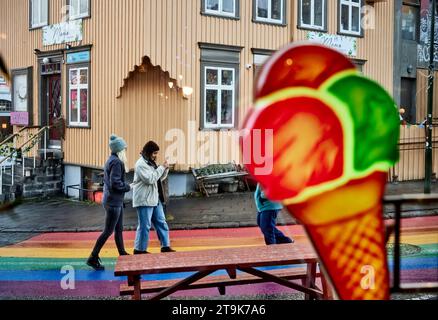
(51,153)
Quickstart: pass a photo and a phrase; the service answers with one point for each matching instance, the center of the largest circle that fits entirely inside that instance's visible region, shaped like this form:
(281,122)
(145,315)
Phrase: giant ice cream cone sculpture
(335,136)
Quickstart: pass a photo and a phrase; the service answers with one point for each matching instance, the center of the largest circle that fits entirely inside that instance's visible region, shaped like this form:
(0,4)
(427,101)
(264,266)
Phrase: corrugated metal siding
(376,47)
(168,32)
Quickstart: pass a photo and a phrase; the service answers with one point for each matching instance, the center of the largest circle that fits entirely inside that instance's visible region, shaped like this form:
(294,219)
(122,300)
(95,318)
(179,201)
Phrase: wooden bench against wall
(217,172)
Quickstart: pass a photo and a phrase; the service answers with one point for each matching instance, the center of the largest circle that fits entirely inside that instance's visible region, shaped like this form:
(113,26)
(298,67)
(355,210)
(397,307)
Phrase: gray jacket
(145,188)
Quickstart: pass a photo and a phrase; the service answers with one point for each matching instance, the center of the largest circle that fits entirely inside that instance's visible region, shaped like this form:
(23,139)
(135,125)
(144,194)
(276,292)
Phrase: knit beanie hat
(117,144)
(150,148)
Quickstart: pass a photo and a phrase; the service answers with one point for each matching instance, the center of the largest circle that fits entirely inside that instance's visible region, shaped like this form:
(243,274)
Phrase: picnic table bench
(242,266)
(217,172)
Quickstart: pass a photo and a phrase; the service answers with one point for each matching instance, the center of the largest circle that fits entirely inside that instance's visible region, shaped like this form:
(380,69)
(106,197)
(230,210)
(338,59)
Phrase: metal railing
(31,142)
(398,201)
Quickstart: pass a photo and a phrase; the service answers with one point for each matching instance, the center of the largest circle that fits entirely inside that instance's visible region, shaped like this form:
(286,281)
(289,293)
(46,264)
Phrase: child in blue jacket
(267,218)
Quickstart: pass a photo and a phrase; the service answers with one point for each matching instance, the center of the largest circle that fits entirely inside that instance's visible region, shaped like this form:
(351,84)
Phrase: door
(54,109)
(408,101)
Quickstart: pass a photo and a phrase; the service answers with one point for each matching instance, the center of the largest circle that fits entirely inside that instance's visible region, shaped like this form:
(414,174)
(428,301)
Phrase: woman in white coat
(148,198)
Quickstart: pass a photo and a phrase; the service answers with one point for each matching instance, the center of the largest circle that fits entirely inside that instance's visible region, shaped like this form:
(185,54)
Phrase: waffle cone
(351,247)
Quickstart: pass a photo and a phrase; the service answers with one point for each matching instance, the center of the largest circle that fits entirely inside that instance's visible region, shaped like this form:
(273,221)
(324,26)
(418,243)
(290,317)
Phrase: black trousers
(113,224)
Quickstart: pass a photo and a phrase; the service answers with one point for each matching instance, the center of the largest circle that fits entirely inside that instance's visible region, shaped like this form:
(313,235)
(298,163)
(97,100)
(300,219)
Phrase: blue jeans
(267,220)
(147,217)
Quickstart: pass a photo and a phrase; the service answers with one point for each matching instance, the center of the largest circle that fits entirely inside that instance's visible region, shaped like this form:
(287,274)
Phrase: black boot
(95,263)
(140,252)
(124,253)
(167,249)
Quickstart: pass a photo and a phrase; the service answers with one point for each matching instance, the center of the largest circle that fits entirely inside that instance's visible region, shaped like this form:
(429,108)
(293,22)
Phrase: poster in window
(20,93)
(74,105)
(84,106)
(74,77)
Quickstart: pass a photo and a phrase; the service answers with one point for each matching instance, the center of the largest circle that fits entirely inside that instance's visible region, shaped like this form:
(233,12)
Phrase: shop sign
(78,57)
(64,32)
(20,118)
(346,45)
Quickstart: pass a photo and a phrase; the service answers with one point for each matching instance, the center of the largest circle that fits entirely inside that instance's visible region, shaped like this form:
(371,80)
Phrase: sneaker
(167,249)
(285,240)
(140,252)
(95,263)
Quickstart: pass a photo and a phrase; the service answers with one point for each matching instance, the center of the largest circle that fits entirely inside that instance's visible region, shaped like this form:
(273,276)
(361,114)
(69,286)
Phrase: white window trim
(220,11)
(312,16)
(79,87)
(350,5)
(40,23)
(79,15)
(219,87)
(270,20)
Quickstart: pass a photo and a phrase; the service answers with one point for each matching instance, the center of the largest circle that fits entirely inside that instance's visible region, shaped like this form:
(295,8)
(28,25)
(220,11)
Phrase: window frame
(79,87)
(219,88)
(301,25)
(350,5)
(418,18)
(28,73)
(270,21)
(79,16)
(219,56)
(39,25)
(220,13)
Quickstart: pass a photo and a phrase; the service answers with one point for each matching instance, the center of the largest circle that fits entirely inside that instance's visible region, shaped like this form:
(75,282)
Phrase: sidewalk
(219,211)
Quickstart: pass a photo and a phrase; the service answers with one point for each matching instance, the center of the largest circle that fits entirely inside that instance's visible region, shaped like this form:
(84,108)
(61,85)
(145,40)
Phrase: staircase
(38,176)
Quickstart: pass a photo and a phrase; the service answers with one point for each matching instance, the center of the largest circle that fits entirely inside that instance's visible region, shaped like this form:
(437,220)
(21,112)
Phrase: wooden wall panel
(168,32)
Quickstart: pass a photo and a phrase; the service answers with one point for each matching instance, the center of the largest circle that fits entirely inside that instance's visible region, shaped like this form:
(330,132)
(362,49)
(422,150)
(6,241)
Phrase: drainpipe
(428,160)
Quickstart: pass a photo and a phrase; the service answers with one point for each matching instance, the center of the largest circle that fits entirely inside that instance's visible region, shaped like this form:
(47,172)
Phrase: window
(78,95)
(219,80)
(22,94)
(350,17)
(410,20)
(260,56)
(5,106)
(270,11)
(221,7)
(219,97)
(38,13)
(79,9)
(312,14)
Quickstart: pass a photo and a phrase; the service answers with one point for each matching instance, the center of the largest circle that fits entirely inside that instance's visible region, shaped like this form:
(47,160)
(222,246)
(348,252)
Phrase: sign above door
(64,32)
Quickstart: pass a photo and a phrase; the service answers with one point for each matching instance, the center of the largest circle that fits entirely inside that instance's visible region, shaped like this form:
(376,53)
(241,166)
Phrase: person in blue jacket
(114,191)
(267,218)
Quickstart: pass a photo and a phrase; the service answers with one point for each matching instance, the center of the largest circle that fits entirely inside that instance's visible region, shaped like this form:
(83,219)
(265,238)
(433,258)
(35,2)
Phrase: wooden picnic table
(205,262)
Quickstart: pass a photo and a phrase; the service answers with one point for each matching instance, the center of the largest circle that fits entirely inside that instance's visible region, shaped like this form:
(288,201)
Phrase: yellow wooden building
(165,70)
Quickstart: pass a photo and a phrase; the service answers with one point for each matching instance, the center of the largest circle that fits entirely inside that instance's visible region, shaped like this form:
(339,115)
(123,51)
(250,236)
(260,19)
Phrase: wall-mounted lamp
(170,84)
(4,125)
(46,60)
(67,46)
(187,91)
